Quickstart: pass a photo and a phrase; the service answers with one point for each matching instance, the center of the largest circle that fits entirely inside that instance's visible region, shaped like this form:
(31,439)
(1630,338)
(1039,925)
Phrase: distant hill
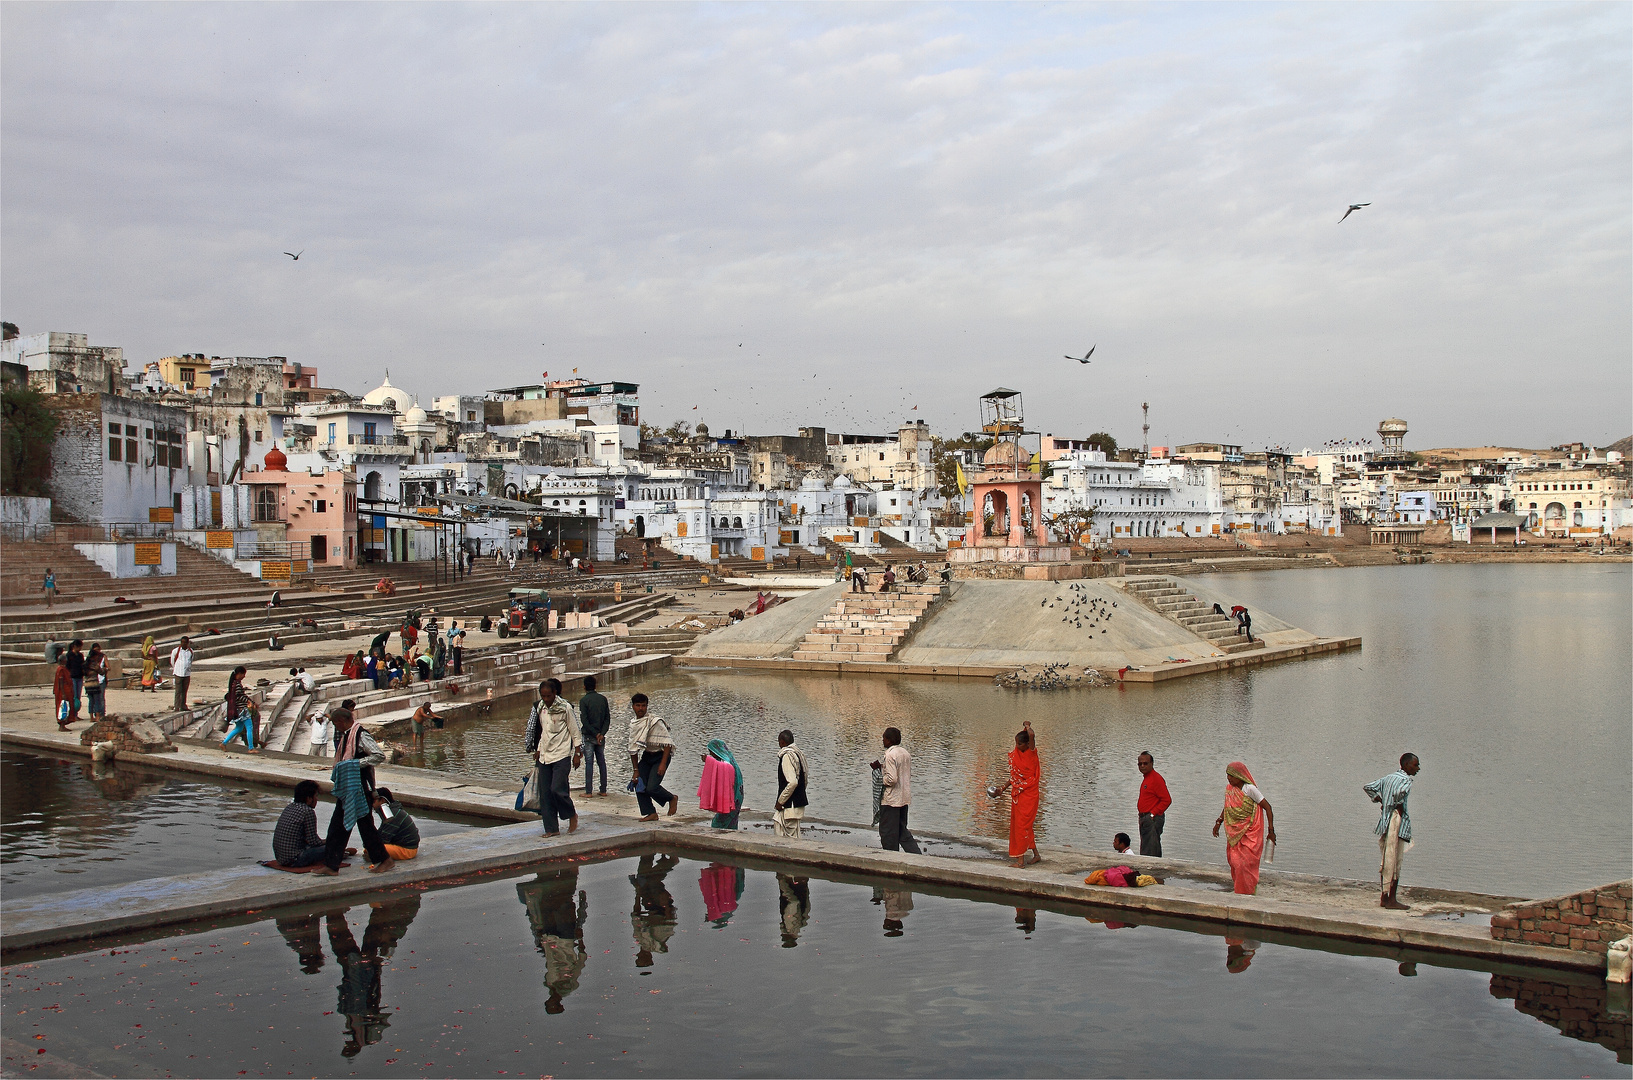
(1624,445)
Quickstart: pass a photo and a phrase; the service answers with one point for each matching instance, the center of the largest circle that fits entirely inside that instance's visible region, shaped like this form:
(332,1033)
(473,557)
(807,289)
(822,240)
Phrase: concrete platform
(1314,910)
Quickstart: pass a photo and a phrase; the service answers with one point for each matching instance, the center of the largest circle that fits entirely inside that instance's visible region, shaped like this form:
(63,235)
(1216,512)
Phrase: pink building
(317,511)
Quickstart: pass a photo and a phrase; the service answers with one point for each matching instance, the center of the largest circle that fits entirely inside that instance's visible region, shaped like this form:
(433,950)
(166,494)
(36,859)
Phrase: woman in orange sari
(1023,796)
(1247,819)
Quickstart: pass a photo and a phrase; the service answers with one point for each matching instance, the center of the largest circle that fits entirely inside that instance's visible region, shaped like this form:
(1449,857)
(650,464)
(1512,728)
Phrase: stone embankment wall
(1586,921)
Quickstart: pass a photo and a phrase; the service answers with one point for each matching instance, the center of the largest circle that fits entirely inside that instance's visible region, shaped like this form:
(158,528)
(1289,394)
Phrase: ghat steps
(869,627)
(1168,599)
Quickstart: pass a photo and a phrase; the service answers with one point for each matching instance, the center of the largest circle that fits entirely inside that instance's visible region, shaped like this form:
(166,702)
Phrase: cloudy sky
(787,214)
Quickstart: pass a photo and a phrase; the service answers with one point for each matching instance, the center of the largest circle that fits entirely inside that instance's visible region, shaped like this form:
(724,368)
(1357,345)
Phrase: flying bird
(296,255)
(1352,208)
(1085,357)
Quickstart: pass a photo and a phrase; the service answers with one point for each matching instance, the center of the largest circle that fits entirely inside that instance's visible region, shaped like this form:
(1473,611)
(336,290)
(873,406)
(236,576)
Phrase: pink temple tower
(1006,536)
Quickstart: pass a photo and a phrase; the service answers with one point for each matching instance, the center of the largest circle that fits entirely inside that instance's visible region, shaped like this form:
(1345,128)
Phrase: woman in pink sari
(1247,820)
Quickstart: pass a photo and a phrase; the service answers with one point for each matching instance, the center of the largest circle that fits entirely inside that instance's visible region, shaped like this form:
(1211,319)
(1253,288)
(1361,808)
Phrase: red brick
(1578,944)
(1586,935)
(1590,909)
(1574,919)
(1527,912)
(1575,1014)
(1506,922)
(1553,926)
(1528,924)
(1562,940)
(1596,946)
(1537,937)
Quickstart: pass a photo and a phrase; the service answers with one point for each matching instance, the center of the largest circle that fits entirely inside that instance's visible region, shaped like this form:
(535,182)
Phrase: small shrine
(1006,535)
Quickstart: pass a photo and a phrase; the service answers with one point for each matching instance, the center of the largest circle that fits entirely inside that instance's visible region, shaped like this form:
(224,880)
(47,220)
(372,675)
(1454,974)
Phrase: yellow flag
(963,482)
(1037,464)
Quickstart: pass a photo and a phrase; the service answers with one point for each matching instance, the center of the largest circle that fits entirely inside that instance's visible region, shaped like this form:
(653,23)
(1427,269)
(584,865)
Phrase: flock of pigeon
(1051,677)
(1082,608)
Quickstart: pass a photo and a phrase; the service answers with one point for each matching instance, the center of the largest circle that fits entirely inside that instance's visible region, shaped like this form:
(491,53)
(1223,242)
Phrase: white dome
(388,395)
(841,482)
(417,415)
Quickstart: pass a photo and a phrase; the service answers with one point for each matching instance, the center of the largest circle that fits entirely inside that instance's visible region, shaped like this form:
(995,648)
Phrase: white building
(1131,499)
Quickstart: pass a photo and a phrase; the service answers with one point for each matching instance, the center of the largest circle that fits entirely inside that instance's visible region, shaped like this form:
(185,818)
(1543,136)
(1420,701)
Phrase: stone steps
(1197,617)
(868,627)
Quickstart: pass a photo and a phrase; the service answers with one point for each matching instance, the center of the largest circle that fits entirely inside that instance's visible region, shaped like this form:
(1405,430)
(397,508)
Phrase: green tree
(942,453)
(1070,525)
(1103,442)
(27,430)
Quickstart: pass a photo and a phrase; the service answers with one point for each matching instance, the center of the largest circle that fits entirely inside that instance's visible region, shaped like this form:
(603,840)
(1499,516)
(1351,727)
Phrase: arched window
(371,486)
(266,504)
(737,523)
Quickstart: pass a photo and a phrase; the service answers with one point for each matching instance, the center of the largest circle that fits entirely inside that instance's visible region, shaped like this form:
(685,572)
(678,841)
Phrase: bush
(27,430)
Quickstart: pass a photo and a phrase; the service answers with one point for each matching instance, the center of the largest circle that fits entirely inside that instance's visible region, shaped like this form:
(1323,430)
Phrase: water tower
(1392,438)
(1006,526)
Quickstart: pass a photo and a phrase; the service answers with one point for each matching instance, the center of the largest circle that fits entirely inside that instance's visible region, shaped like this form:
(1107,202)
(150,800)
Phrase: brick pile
(1580,1012)
(128,736)
(1586,921)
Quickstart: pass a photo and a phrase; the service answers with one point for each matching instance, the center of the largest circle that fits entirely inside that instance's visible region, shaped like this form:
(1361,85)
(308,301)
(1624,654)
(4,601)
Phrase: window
(368,431)
(322,506)
(257,400)
(132,454)
(114,444)
(470,417)
(175,503)
(331,433)
(266,504)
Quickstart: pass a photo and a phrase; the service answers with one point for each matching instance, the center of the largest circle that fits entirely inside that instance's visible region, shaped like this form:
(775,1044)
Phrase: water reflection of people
(1239,954)
(301,932)
(556,910)
(1026,920)
(897,902)
(722,887)
(794,906)
(653,918)
(360,968)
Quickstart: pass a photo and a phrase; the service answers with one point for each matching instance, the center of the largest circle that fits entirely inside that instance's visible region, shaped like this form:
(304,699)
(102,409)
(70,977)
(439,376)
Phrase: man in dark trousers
(594,719)
(351,741)
(1153,805)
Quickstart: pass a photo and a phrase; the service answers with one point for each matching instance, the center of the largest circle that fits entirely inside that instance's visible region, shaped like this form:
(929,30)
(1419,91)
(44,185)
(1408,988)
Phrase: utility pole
(1145,430)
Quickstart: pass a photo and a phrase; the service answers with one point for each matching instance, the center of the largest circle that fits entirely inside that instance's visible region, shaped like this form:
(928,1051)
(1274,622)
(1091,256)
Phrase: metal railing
(377,440)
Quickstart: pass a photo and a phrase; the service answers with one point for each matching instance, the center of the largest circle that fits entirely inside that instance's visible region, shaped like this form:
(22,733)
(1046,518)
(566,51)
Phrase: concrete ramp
(774,632)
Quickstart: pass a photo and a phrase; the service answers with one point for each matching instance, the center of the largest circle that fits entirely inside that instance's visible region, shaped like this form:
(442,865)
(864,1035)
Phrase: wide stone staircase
(669,640)
(869,627)
(1167,598)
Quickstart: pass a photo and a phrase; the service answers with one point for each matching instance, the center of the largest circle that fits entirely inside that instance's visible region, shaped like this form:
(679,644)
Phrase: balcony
(377,440)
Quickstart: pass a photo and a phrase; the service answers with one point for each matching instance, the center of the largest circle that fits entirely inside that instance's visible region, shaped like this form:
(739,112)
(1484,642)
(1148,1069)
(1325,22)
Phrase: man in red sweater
(1153,806)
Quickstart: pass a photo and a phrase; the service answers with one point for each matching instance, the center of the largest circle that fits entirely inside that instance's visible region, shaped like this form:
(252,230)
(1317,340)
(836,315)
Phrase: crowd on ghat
(561,739)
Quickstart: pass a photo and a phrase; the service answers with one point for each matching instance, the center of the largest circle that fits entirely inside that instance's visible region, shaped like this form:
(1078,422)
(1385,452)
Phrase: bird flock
(1082,609)
(1051,677)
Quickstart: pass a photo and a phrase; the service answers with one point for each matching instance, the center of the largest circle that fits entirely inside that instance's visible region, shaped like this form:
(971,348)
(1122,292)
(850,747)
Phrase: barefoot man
(1394,827)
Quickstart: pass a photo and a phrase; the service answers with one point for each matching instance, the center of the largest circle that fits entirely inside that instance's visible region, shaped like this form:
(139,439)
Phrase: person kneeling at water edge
(398,832)
(552,739)
(356,755)
(295,839)
(650,747)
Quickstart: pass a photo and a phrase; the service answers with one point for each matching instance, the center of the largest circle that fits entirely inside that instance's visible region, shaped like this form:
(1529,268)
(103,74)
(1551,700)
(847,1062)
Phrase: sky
(854,215)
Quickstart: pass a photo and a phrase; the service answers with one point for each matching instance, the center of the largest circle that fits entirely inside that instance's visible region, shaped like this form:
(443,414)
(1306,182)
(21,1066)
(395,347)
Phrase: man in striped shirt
(1394,827)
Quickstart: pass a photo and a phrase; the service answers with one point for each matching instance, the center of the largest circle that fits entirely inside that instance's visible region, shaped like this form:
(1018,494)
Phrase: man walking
(895,770)
(1394,827)
(352,776)
(594,719)
(181,667)
(791,801)
(552,739)
(1153,806)
(650,747)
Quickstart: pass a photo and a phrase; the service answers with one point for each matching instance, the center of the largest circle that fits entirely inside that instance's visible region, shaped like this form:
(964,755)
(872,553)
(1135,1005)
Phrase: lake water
(74,825)
(1512,683)
(665,966)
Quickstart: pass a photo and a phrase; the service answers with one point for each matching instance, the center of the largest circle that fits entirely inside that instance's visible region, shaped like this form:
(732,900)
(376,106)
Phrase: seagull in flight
(1352,208)
(296,255)
(1085,357)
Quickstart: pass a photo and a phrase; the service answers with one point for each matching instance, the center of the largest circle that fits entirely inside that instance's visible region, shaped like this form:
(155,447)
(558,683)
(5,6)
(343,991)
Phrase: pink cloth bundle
(717,791)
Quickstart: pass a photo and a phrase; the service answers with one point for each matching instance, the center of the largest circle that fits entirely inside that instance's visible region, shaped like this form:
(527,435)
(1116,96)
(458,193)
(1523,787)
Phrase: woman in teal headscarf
(718,751)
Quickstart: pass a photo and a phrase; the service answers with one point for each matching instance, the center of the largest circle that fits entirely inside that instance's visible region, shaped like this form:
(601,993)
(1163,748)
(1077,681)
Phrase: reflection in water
(722,887)
(1595,1013)
(556,910)
(301,932)
(1239,954)
(793,907)
(360,968)
(653,918)
(1026,920)
(897,902)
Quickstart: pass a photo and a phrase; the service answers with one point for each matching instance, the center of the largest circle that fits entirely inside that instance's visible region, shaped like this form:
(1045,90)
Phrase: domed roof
(416,415)
(276,460)
(1005,453)
(842,482)
(388,395)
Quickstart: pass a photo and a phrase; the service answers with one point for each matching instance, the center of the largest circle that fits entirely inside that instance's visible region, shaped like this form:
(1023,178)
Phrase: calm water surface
(1512,683)
(670,967)
(74,825)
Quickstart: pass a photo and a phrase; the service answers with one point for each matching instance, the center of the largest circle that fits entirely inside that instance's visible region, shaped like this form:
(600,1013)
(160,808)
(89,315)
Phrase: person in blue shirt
(1394,827)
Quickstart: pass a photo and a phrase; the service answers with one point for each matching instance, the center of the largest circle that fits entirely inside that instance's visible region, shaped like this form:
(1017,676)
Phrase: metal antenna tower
(1145,429)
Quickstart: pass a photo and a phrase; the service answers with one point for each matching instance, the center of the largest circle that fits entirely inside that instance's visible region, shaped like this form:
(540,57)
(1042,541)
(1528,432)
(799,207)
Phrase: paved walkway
(1447,923)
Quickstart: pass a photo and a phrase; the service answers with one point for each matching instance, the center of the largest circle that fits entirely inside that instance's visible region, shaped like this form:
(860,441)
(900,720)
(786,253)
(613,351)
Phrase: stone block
(128,736)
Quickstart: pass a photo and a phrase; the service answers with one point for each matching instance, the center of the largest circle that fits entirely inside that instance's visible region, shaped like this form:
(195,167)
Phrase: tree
(942,456)
(1069,526)
(27,430)
(1104,443)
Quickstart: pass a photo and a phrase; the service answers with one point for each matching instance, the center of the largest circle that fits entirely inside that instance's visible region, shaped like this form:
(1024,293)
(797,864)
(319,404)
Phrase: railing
(377,440)
(86,534)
